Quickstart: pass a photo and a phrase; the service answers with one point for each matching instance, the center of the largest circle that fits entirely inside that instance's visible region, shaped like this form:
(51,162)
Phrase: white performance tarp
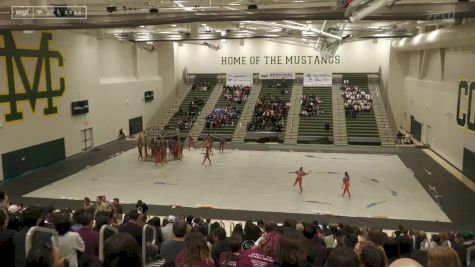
(239,79)
(317,79)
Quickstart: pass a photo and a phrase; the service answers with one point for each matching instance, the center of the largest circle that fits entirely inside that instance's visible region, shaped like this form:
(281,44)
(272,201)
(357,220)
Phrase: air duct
(454,36)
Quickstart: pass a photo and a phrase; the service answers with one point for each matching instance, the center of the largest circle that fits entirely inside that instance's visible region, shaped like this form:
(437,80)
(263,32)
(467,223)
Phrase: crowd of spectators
(356,100)
(224,116)
(201,86)
(281,85)
(186,119)
(189,241)
(236,94)
(269,114)
(310,106)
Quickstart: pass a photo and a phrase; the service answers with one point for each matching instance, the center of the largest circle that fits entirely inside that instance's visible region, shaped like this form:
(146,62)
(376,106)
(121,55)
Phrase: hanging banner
(239,79)
(277,76)
(317,79)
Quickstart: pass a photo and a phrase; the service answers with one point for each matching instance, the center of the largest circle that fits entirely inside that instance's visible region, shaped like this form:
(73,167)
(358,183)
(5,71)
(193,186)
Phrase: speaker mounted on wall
(79,107)
(148,96)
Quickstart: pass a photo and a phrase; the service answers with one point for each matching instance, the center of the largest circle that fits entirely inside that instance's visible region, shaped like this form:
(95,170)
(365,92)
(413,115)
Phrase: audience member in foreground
(170,248)
(405,262)
(343,256)
(44,255)
(442,257)
(196,252)
(122,250)
(69,243)
(229,258)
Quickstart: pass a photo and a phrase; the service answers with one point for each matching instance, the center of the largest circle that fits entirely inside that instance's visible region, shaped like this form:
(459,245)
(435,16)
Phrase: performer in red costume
(207,153)
(346,185)
(191,142)
(300,173)
(222,141)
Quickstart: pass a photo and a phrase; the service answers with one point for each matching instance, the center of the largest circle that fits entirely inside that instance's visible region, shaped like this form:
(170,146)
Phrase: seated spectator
(170,248)
(236,94)
(310,106)
(201,86)
(292,250)
(356,100)
(225,116)
(117,209)
(238,230)
(370,254)
(69,243)
(265,253)
(251,231)
(131,226)
(220,244)
(442,257)
(229,258)
(196,252)
(7,248)
(269,114)
(122,250)
(88,204)
(44,255)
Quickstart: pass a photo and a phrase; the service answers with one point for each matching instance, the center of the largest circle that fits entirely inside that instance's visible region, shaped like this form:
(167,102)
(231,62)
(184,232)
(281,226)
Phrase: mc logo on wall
(21,85)
(466,105)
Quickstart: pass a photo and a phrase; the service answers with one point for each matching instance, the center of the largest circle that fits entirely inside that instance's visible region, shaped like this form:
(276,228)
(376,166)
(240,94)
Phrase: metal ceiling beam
(397,12)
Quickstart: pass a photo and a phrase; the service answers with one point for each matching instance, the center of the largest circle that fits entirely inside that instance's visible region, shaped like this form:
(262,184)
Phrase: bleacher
(199,78)
(362,129)
(228,130)
(267,90)
(312,129)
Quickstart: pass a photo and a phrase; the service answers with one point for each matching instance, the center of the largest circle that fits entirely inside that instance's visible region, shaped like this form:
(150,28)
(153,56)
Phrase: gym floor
(251,181)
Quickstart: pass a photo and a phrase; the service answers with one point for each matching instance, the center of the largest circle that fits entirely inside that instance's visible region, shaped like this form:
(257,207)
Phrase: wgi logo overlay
(15,74)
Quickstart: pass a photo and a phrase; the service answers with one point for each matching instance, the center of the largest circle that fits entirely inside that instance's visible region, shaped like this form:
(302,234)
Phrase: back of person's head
(155,221)
(189,219)
(196,250)
(372,256)
(122,250)
(62,222)
(309,230)
(377,236)
(84,217)
(133,215)
(405,262)
(44,255)
(219,233)
(442,257)
(31,216)
(293,249)
(235,243)
(290,223)
(269,245)
(342,256)
(391,248)
(179,228)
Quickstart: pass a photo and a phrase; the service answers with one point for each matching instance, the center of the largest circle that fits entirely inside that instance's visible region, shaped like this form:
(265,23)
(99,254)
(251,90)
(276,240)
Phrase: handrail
(32,230)
(144,240)
(101,239)
(469,253)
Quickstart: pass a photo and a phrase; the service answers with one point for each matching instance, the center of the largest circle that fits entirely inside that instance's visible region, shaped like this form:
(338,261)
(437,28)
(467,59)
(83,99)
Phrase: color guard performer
(300,174)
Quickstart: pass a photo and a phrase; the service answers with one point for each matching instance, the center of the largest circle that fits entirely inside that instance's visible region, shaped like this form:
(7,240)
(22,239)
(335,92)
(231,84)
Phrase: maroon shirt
(179,261)
(227,260)
(91,242)
(253,258)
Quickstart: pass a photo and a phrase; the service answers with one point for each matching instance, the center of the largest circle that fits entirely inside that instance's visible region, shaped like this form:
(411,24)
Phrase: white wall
(433,98)
(362,56)
(111,75)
